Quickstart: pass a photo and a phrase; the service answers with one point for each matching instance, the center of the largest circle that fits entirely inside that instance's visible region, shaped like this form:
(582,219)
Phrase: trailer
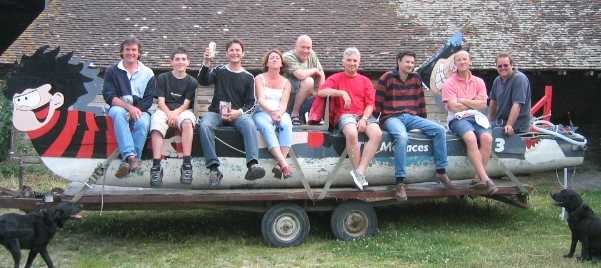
(285,221)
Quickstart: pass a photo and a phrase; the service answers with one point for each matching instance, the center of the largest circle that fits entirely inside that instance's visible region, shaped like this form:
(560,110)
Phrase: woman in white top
(273,91)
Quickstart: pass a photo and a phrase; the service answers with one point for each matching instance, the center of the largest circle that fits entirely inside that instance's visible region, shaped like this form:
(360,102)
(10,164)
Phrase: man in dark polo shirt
(510,98)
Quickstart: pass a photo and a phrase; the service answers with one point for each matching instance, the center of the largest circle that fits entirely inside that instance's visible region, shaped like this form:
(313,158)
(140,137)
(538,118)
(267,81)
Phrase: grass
(476,233)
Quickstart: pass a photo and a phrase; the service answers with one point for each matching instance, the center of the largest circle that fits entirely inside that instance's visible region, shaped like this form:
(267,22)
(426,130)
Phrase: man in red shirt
(353,97)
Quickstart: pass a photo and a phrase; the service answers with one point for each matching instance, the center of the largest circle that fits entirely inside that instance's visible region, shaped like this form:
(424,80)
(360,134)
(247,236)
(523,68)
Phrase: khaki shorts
(158,121)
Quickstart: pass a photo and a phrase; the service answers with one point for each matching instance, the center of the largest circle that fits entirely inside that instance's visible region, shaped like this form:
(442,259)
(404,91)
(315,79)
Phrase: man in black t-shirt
(175,91)
(236,86)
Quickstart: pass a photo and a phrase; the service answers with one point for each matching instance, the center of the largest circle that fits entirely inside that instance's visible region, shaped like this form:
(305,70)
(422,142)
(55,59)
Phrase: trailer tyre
(353,220)
(285,225)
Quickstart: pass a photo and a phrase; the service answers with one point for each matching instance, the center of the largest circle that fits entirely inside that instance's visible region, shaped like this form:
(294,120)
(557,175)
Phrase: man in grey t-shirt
(304,72)
(510,98)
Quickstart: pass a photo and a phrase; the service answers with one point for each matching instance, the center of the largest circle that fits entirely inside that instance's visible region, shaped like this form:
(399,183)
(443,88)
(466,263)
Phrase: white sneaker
(357,178)
(364,181)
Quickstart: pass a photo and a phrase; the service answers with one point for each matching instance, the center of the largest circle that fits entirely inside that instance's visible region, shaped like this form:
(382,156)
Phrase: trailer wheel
(353,220)
(285,225)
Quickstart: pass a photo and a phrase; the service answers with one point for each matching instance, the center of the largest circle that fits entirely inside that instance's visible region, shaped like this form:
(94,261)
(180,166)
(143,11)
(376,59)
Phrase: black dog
(34,231)
(584,225)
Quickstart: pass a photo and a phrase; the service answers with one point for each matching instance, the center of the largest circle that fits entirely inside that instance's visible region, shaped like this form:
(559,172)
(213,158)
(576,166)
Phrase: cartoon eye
(31,99)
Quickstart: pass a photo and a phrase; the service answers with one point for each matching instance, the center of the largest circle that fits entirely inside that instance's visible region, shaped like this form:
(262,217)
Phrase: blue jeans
(244,124)
(268,128)
(398,125)
(130,134)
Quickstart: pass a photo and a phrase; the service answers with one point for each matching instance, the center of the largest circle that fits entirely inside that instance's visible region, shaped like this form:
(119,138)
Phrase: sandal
(491,188)
(277,172)
(477,184)
(296,120)
(286,172)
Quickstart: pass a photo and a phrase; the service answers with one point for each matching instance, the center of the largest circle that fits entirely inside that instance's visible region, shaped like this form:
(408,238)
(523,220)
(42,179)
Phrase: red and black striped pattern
(75,134)
(395,96)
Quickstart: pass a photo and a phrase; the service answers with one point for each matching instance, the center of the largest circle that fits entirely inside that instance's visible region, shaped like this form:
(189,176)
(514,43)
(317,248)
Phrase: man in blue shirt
(128,90)
(510,98)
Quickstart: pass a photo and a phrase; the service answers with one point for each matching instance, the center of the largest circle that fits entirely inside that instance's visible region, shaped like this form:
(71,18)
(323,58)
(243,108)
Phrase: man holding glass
(233,104)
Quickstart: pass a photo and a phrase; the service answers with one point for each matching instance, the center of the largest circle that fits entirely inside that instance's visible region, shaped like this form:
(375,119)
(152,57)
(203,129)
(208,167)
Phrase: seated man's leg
(374,134)
(397,130)
(348,126)
(123,134)
(306,88)
(465,129)
(125,140)
(246,126)
(439,141)
(485,139)
(158,128)
(206,129)
(140,133)
(185,122)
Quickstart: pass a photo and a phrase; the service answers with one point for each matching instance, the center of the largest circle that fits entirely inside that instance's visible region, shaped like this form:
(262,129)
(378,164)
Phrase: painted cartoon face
(34,107)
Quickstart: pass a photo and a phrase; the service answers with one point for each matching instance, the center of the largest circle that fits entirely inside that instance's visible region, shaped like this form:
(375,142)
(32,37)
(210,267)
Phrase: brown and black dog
(34,231)
(584,225)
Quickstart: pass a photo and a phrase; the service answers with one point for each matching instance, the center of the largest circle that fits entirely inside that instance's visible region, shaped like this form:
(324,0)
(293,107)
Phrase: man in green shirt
(304,72)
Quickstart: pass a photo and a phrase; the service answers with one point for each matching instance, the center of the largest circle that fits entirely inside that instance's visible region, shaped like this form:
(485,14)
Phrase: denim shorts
(346,119)
(463,125)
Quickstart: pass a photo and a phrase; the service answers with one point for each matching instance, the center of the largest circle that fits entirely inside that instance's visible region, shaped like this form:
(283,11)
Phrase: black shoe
(254,172)
(215,176)
(186,174)
(156,176)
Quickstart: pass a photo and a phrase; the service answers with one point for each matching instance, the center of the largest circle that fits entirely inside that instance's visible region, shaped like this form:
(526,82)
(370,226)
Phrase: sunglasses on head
(502,65)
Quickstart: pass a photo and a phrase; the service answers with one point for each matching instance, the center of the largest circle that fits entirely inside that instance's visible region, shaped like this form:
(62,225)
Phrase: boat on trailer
(76,142)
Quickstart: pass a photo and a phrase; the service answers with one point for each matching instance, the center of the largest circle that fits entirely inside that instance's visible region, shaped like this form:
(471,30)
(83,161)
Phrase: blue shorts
(463,125)
(346,119)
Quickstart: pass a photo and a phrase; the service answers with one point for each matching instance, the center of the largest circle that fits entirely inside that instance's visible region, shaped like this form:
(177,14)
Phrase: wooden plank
(203,99)
(18,203)
(431,190)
